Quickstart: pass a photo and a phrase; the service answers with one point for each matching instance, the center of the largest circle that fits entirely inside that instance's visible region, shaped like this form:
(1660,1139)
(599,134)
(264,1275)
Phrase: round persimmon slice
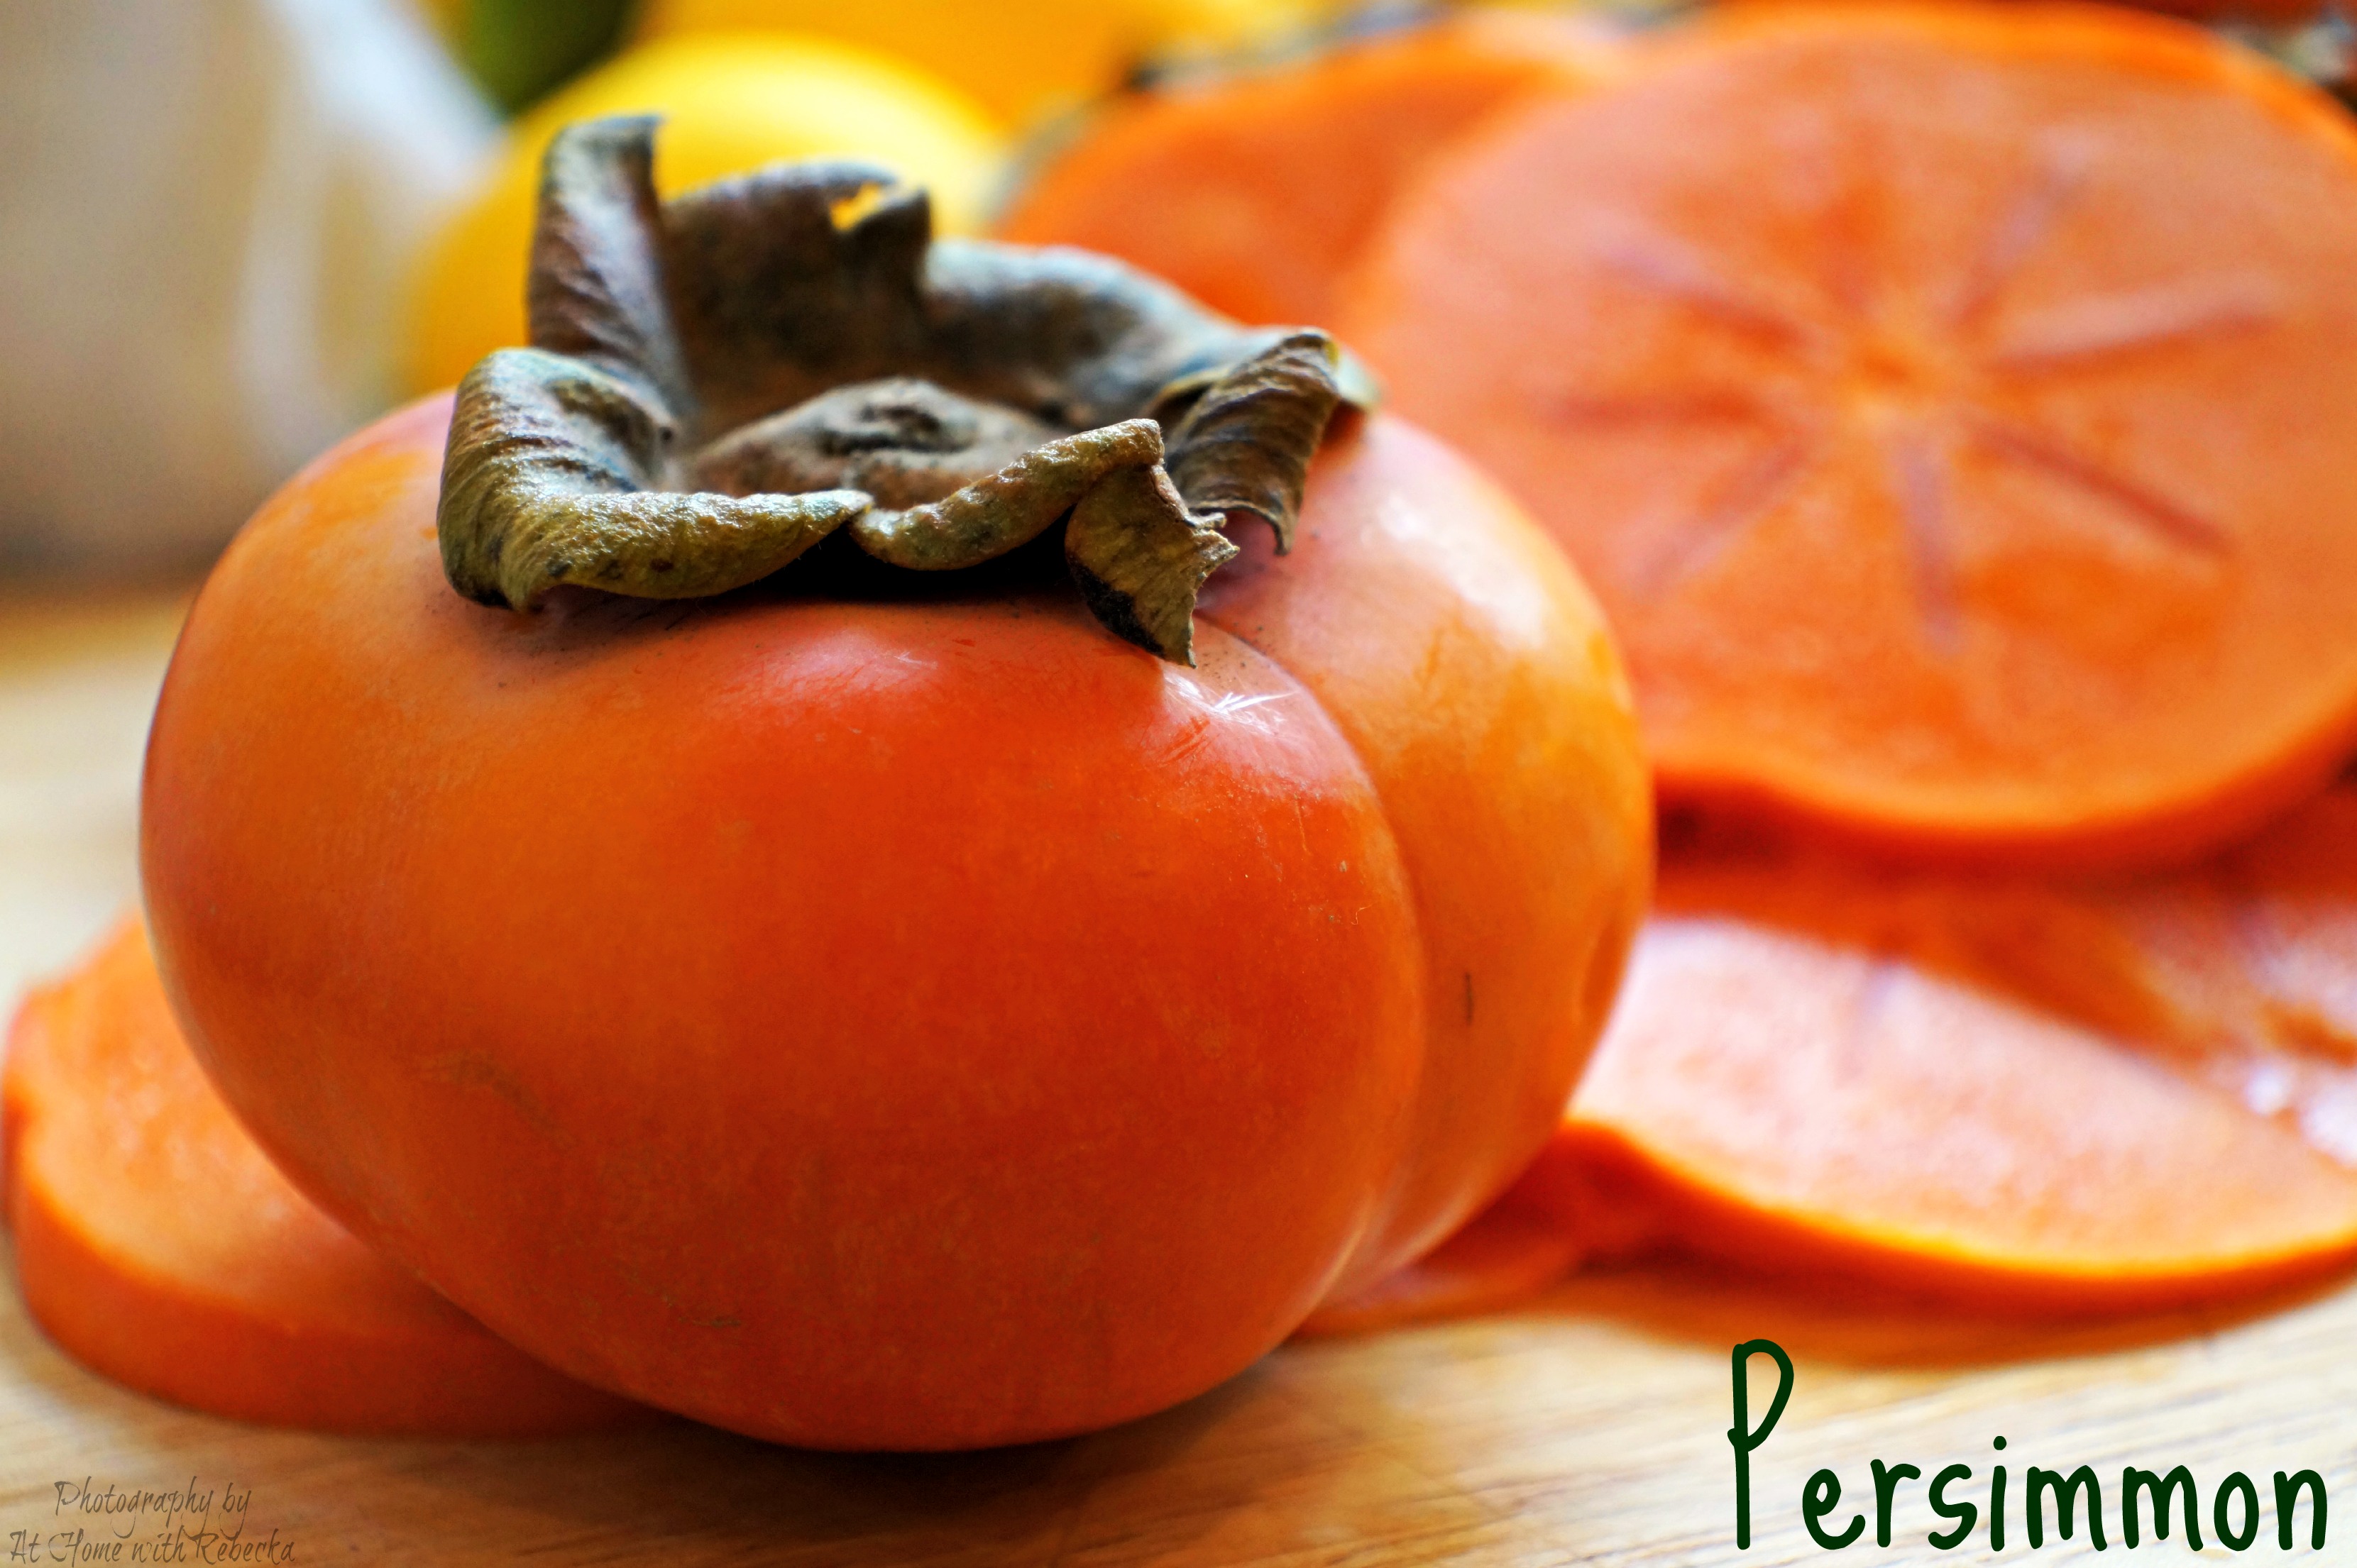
(1955,409)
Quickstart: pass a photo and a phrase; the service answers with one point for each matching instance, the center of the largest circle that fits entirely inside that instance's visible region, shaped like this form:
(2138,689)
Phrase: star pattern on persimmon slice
(1919,390)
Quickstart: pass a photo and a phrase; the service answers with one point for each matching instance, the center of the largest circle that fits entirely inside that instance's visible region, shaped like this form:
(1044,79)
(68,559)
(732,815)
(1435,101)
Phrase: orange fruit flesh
(2096,1095)
(1955,409)
(156,1244)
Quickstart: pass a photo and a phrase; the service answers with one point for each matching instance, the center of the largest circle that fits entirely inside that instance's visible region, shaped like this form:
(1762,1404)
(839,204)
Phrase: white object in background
(207,210)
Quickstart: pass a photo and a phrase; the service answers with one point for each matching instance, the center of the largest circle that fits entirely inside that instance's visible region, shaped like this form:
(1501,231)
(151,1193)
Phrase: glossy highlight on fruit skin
(916,1024)
(156,1244)
(1951,405)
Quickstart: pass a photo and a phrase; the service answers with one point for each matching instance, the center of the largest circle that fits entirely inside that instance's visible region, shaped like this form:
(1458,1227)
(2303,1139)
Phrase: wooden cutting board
(1591,1427)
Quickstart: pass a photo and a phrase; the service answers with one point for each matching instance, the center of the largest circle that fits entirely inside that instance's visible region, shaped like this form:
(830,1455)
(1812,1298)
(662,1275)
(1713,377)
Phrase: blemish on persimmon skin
(474,1070)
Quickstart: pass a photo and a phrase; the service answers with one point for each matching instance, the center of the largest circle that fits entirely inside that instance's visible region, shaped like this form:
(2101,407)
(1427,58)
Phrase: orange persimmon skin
(914,1025)
(1473,674)
(155,1243)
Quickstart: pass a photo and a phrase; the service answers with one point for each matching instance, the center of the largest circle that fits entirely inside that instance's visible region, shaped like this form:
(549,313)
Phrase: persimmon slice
(2248,968)
(2098,1094)
(156,1244)
(1255,192)
(1955,409)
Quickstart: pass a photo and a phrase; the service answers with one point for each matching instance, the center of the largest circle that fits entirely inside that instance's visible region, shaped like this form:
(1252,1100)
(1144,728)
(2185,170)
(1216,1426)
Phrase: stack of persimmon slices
(1956,410)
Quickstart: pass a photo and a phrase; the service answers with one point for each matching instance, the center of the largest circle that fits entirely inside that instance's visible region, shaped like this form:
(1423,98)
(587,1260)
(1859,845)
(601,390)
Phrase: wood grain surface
(1591,1427)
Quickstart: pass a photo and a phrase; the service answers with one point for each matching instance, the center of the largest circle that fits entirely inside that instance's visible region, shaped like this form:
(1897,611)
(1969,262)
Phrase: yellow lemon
(729,102)
(1023,58)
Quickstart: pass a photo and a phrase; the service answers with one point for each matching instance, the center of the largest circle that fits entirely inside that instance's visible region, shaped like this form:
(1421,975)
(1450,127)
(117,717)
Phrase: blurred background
(231,230)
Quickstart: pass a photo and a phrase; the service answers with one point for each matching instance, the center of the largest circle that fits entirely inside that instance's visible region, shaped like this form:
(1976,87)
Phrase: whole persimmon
(865,1008)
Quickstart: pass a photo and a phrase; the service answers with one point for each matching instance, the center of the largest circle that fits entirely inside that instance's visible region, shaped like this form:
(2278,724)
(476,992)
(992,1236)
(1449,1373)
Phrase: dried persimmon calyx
(554,476)
(718,382)
(1246,445)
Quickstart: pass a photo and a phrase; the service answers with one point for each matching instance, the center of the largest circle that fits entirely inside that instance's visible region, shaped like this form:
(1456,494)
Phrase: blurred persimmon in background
(1255,191)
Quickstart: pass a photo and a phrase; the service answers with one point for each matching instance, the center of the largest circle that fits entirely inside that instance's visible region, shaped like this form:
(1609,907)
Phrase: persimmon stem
(718,382)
